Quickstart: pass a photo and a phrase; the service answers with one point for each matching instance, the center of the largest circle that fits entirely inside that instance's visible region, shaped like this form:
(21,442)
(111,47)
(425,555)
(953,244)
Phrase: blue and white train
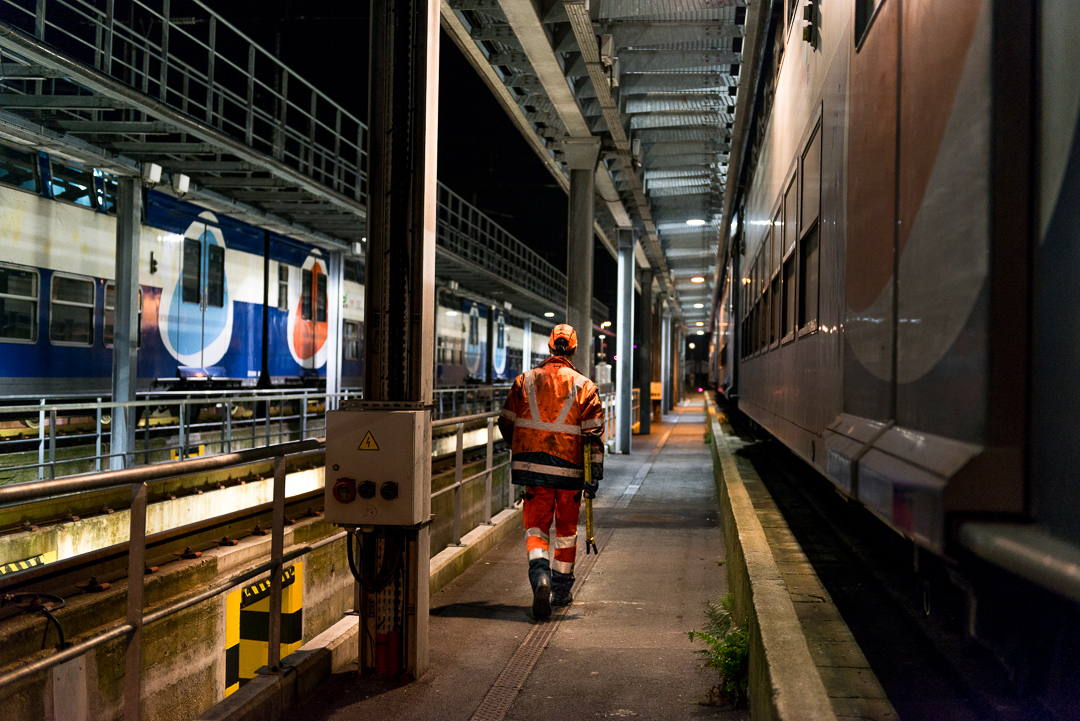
(201,296)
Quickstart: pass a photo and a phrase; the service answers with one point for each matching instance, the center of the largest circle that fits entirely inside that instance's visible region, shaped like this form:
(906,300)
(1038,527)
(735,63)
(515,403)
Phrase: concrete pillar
(526,346)
(581,155)
(399,293)
(125,367)
(643,355)
(624,334)
(335,271)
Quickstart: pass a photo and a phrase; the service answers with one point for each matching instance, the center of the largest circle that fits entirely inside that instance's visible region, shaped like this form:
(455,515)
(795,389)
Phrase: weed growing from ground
(727,652)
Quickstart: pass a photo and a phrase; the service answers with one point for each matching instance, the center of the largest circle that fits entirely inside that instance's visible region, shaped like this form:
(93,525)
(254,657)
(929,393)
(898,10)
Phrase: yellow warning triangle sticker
(369,443)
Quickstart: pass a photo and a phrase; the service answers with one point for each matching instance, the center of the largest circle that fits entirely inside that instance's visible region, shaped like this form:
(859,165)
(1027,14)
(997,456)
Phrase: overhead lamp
(695,221)
(699,324)
(691,346)
(357,248)
(697,279)
(701,332)
(180,183)
(549,314)
(452,313)
(606,324)
(699,305)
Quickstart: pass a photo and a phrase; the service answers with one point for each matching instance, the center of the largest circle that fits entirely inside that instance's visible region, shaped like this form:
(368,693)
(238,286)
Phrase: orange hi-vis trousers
(538,512)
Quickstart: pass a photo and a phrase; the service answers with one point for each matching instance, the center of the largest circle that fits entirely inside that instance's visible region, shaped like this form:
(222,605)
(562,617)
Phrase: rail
(137,479)
(206,68)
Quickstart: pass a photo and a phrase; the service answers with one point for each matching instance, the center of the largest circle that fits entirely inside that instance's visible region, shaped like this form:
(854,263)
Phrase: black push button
(366,489)
(389,490)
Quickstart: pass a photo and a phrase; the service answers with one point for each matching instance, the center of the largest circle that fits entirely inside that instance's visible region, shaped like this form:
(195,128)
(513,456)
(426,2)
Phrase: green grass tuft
(727,652)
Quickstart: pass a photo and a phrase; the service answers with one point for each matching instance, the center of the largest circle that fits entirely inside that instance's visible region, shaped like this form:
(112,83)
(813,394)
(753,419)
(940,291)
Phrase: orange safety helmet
(563,332)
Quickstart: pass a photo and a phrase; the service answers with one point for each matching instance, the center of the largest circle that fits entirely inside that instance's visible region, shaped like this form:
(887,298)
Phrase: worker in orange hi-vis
(549,414)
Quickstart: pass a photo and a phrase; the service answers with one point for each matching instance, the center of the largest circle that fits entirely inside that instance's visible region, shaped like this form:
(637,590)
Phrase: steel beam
(135,147)
(665,360)
(125,321)
(114,127)
(624,334)
(334,290)
(11,101)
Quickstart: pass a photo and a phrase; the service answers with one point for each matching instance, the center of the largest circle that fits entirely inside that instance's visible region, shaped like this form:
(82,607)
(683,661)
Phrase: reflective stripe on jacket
(549,412)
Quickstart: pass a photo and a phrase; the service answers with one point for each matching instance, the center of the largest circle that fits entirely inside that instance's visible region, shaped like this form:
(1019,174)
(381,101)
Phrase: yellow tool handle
(590,542)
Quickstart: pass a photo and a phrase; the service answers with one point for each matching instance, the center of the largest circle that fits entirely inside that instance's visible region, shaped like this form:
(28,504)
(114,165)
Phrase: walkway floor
(621,650)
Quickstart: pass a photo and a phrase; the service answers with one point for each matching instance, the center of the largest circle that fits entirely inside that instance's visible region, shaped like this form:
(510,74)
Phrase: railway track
(911,623)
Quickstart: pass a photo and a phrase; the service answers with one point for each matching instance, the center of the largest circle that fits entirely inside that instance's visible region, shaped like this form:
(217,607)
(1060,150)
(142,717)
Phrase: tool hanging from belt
(590,542)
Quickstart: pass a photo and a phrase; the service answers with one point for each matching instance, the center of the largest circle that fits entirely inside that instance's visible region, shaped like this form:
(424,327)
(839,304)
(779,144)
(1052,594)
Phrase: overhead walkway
(231,128)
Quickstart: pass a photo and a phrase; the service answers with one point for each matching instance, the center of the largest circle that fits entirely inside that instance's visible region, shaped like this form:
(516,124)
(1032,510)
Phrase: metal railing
(206,68)
(180,424)
(137,479)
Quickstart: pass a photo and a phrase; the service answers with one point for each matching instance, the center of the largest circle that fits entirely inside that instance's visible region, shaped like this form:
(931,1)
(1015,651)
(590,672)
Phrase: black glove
(591,487)
(598,471)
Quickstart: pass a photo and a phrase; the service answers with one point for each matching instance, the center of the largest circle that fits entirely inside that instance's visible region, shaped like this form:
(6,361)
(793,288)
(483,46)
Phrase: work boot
(540,579)
(561,583)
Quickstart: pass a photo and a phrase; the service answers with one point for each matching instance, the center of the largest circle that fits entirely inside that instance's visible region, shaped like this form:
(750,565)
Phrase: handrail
(137,478)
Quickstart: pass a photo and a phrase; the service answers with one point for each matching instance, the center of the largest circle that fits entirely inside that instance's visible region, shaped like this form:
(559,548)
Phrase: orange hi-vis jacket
(550,411)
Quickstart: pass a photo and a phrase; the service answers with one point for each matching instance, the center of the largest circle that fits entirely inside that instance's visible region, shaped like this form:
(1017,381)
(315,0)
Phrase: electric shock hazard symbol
(247,625)
(368,444)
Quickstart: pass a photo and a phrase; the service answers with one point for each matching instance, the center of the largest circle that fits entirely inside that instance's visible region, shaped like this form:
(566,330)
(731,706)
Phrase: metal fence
(203,66)
(174,426)
(137,478)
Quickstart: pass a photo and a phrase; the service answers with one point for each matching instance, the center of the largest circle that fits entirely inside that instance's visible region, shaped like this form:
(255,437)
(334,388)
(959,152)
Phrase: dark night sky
(482,155)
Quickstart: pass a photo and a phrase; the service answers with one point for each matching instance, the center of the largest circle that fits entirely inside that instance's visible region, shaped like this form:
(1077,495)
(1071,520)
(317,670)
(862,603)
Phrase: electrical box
(375,468)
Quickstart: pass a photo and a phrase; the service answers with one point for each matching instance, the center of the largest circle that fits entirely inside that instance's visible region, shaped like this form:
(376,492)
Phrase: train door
(474,352)
(499,359)
(200,318)
(307,322)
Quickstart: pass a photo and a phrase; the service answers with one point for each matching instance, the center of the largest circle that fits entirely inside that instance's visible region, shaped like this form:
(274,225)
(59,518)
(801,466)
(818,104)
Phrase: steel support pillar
(489,355)
(665,365)
(125,369)
(624,335)
(581,155)
(335,268)
(643,352)
(657,356)
(399,312)
(526,346)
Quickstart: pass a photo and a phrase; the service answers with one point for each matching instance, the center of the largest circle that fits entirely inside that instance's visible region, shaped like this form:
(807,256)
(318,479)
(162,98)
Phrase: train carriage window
(776,231)
(215,276)
(500,339)
(350,338)
(71,313)
(18,304)
(775,324)
(864,16)
(790,215)
(811,182)
(191,291)
(110,316)
(282,286)
(787,324)
(474,329)
(808,280)
(320,298)
(305,295)
(17,168)
(72,183)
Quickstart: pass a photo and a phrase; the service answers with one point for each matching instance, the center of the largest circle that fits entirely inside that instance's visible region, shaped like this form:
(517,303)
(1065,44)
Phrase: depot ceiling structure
(657,80)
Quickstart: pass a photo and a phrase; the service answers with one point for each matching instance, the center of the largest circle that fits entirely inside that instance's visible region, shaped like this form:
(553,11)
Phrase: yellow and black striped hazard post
(247,625)
(39,560)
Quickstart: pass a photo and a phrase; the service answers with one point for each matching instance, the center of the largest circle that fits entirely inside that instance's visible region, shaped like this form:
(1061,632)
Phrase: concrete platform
(620,651)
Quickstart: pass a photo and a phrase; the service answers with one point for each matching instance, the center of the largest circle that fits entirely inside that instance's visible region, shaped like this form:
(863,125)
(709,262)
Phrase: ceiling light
(699,324)
(691,346)
(549,314)
(697,279)
(699,305)
(701,332)
(605,324)
(695,221)
(451,313)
